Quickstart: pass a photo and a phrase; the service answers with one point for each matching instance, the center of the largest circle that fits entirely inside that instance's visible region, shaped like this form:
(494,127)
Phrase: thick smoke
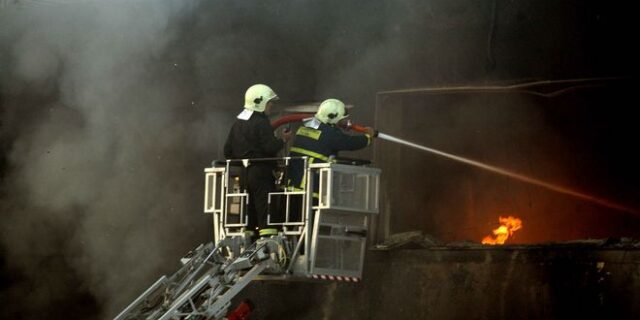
(103,179)
(110,111)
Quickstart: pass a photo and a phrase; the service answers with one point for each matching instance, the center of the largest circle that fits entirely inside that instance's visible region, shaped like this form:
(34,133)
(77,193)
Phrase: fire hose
(297,117)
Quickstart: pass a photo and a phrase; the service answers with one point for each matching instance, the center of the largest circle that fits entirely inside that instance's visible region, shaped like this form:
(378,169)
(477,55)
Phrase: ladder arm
(203,288)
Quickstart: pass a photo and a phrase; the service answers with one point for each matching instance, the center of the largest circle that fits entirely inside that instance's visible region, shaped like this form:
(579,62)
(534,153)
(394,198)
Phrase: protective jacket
(319,142)
(252,138)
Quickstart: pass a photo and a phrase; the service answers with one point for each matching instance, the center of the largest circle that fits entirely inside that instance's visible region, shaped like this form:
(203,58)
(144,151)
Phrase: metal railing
(333,217)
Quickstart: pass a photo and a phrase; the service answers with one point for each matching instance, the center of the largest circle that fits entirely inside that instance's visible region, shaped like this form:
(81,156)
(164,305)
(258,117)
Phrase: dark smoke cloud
(101,187)
(111,110)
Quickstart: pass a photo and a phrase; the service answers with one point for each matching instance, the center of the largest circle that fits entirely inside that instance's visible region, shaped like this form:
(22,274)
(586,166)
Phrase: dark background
(576,136)
(110,110)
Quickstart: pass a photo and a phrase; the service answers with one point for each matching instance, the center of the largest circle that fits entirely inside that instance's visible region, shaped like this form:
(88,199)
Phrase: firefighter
(251,137)
(320,139)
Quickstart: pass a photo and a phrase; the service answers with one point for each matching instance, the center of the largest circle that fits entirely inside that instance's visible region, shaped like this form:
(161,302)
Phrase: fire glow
(507,227)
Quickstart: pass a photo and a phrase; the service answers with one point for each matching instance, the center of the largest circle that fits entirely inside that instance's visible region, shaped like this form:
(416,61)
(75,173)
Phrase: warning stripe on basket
(335,278)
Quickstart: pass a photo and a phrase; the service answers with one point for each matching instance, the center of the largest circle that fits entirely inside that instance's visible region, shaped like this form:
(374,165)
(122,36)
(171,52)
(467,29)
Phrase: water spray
(503,172)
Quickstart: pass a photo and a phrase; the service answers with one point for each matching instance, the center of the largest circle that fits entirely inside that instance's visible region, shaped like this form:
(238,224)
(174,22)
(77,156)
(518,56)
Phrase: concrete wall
(552,282)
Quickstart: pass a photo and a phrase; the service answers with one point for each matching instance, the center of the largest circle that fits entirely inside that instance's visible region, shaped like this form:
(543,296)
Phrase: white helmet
(331,111)
(257,96)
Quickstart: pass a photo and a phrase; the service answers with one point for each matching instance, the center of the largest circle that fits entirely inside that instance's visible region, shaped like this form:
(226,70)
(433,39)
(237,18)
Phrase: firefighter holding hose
(321,138)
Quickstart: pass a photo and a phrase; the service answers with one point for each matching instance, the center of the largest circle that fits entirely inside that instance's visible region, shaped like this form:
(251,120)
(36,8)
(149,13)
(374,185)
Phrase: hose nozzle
(358,128)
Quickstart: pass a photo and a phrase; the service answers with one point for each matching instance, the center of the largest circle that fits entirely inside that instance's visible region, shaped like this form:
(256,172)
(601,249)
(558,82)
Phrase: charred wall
(546,282)
(577,135)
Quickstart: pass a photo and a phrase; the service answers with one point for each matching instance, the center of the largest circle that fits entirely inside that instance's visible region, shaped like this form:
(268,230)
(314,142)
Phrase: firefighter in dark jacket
(252,137)
(320,138)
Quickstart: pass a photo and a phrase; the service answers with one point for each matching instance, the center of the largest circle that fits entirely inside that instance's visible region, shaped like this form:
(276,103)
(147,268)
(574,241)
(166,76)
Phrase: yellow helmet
(331,111)
(257,96)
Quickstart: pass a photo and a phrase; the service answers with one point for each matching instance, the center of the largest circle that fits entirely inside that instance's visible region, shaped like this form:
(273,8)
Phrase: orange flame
(506,229)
